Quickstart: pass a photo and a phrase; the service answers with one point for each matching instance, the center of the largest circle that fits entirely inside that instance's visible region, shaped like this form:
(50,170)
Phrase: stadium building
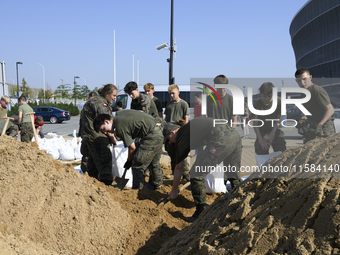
(315,34)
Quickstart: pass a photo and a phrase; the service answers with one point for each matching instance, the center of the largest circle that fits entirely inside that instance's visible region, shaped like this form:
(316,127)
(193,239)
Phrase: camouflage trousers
(99,159)
(11,130)
(223,144)
(278,144)
(170,149)
(327,129)
(147,156)
(26,132)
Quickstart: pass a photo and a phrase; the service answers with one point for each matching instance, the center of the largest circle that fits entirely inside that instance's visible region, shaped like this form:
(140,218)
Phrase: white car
(337,120)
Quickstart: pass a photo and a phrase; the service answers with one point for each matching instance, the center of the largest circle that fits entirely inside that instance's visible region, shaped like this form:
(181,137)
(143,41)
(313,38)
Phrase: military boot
(199,210)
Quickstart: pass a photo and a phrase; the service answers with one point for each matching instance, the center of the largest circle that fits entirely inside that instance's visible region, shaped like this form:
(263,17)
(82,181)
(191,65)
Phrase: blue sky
(75,38)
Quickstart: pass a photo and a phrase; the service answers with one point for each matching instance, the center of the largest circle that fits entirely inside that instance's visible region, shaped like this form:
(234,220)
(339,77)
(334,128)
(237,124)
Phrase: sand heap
(49,203)
(298,213)
(46,207)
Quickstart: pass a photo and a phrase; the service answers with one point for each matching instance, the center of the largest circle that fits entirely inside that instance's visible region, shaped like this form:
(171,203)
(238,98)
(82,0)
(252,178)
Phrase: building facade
(315,35)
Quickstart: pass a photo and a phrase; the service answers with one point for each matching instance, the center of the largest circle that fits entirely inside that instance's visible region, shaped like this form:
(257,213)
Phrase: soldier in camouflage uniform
(140,101)
(319,105)
(84,159)
(270,133)
(222,143)
(24,120)
(4,101)
(11,130)
(132,124)
(95,145)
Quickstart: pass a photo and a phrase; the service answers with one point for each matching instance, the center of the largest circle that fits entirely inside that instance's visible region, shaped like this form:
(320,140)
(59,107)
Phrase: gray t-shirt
(176,111)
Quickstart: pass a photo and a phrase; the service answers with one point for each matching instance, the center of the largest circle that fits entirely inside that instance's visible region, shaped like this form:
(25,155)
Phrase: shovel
(168,198)
(122,183)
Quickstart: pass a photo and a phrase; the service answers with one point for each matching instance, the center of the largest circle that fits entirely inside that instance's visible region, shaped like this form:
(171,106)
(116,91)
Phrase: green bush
(74,111)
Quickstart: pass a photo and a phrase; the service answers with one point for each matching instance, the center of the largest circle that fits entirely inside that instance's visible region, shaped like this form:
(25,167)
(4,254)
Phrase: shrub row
(74,111)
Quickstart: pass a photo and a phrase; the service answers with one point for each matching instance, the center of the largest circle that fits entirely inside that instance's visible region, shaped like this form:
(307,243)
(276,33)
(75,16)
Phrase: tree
(63,91)
(85,91)
(26,90)
(77,91)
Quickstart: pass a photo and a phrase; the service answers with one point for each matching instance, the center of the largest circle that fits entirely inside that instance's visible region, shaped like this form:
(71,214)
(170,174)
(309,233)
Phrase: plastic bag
(214,181)
(119,156)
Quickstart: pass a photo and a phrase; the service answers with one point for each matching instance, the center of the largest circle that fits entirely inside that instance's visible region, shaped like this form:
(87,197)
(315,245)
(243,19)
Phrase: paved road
(64,129)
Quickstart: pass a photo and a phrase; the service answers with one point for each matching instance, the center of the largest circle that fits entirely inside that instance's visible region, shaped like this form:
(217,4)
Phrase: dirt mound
(298,213)
(46,207)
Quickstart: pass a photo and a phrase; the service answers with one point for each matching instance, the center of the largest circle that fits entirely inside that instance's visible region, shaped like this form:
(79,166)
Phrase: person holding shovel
(132,124)
(222,143)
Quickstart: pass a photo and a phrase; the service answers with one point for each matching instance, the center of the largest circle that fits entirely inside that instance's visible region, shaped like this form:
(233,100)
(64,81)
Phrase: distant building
(315,34)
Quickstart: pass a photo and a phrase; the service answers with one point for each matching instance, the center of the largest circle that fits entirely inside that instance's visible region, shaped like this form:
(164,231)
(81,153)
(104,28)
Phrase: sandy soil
(297,213)
(46,207)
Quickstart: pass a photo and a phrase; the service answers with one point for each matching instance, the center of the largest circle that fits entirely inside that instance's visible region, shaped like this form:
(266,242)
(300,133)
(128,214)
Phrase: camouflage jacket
(91,109)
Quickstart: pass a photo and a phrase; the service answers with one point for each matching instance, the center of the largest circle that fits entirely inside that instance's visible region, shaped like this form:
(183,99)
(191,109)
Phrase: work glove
(318,130)
(128,164)
(301,123)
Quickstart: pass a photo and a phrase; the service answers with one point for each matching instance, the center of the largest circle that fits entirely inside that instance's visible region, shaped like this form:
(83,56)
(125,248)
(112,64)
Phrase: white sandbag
(119,157)
(54,153)
(74,140)
(77,153)
(214,181)
(262,159)
(66,153)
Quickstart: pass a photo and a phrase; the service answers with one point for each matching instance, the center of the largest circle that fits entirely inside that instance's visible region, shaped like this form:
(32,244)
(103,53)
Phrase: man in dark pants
(132,124)
(222,143)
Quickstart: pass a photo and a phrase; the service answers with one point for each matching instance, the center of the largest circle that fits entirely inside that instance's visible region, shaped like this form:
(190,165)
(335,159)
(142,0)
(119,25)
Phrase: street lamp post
(43,79)
(171,60)
(172,47)
(18,63)
(74,89)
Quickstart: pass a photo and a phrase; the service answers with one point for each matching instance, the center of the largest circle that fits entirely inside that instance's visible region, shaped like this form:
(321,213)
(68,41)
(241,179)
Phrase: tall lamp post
(43,79)
(171,60)
(18,63)
(172,47)
(74,89)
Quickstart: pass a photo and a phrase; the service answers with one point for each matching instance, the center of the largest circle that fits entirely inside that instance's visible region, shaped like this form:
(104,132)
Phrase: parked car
(52,114)
(337,120)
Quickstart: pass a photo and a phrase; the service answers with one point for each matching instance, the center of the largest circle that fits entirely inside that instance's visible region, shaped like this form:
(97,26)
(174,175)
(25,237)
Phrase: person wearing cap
(3,104)
(222,143)
(132,124)
(38,123)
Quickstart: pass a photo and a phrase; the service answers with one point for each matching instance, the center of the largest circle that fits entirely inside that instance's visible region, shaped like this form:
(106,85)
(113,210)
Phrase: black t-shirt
(192,136)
